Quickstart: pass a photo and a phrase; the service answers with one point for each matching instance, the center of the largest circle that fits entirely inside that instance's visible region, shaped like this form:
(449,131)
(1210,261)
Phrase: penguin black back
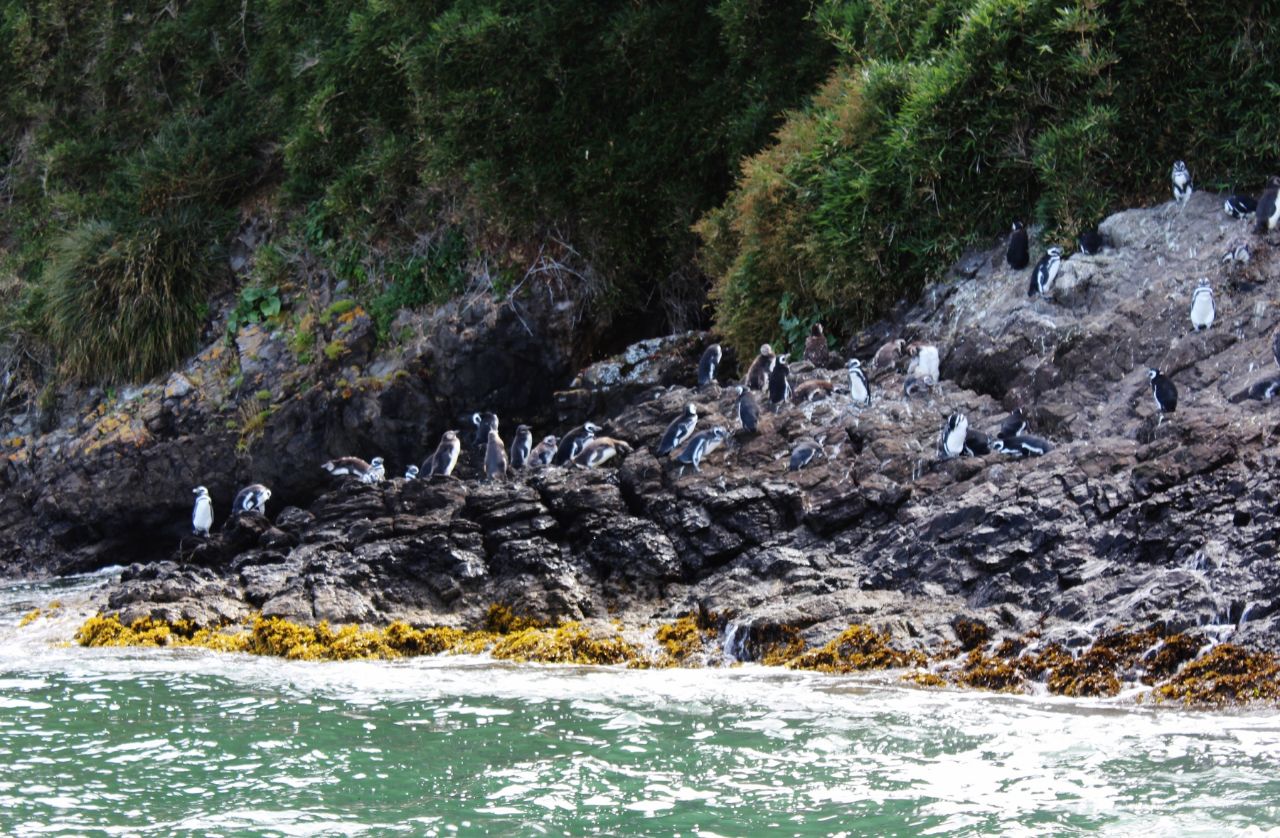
(748,411)
(1018,255)
(1164,391)
(1268,216)
(1090,241)
(779,381)
(708,363)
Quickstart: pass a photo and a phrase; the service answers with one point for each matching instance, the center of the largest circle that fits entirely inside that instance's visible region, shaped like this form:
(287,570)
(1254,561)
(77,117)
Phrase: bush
(123,303)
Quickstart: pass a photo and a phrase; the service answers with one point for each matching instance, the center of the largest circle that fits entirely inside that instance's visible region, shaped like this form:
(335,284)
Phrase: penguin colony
(769,373)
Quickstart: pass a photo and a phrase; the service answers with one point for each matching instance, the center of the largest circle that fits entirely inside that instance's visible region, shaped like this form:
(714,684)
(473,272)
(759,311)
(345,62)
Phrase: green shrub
(419,280)
(122,303)
(255,304)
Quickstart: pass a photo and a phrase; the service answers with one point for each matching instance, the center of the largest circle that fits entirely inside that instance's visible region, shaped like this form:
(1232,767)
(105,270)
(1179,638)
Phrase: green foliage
(123,302)
(255,304)
(420,280)
(947,120)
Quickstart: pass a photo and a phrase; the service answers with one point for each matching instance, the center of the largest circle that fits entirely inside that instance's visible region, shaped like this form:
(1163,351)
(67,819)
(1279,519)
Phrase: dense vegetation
(384,138)
(946,119)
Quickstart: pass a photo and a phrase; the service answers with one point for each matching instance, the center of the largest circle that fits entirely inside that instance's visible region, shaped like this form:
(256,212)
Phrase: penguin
(779,382)
(495,457)
(913,384)
(678,431)
(924,362)
(954,432)
(202,513)
(748,411)
(1275,346)
(1237,254)
(521,445)
(411,473)
(859,389)
(1164,392)
(252,498)
(1262,391)
(355,467)
(707,365)
(815,347)
(1182,187)
(1017,255)
(887,356)
(1202,311)
(1045,273)
(700,445)
(1239,206)
(976,443)
(1268,213)
(599,450)
(758,373)
(445,458)
(1022,446)
(1013,425)
(484,422)
(805,452)
(573,442)
(815,389)
(544,452)
(1090,242)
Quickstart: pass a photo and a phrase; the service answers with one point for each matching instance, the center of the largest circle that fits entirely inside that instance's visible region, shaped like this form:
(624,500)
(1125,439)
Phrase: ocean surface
(161,742)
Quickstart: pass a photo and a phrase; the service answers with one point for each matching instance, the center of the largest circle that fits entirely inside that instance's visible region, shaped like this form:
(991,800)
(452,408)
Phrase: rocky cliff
(1129,520)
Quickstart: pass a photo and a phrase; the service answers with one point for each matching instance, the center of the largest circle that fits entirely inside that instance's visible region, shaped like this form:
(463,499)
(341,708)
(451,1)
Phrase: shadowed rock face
(1127,521)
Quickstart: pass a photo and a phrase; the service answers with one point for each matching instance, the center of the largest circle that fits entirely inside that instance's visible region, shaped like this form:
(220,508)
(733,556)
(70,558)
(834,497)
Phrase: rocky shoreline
(1129,522)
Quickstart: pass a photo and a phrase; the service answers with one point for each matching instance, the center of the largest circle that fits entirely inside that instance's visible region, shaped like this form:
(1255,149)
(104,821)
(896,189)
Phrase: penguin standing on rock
(1182,187)
(1164,391)
(1046,271)
(252,498)
(748,411)
(954,432)
(599,450)
(805,452)
(521,445)
(484,422)
(495,457)
(1202,310)
(1268,217)
(445,458)
(815,347)
(812,390)
(708,363)
(202,513)
(779,382)
(886,357)
(758,372)
(1017,255)
(925,363)
(678,431)
(859,389)
(700,445)
(411,473)
(544,452)
(573,442)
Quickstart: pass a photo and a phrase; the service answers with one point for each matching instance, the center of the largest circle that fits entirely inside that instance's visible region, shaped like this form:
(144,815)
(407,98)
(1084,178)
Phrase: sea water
(186,742)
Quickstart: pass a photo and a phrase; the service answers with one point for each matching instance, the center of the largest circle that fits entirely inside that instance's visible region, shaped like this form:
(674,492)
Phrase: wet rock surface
(1130,520)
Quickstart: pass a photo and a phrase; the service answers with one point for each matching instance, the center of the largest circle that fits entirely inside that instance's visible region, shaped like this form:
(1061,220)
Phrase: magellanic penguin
(1263,391)
(1090,241)
(1239,206)
(483,422)
(1182,187)
(1202,311)
(600,450)
(1013,425)
(954,432)
(976,443)
(748,411)
(678,431)
(495,457)
(252,498)
(1268,217)
(411,473)
(816,350)
(544,452)
(202,514)
(1275,346)
(1164,391)
(1237,254)
(924,362)
(521,445)
(815,389)
(886,357)
(1046,271)
(445,458)
(805,452)
(708,363)
(1022,445)
(758,373)
(779,381)
(859,389)
(913,384)
(370,472)
(700,445)
(1017,255)
(573,442)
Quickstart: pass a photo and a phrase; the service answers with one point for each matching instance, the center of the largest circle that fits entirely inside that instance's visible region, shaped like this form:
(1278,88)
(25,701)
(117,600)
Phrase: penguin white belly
(858,390)
(202,518)
(1202,311)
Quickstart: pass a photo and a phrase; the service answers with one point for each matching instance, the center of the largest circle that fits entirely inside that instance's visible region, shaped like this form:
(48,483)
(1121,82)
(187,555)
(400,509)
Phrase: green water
(184,742)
